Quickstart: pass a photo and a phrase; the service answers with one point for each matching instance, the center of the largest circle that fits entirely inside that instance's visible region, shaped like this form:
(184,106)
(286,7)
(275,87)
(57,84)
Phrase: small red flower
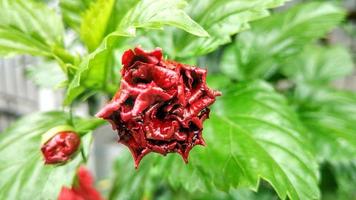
(84,190)
(160,106)
(60,147)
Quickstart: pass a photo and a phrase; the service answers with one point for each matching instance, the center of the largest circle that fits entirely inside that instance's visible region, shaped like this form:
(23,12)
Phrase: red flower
(60,147)
(83,191)
(161,105)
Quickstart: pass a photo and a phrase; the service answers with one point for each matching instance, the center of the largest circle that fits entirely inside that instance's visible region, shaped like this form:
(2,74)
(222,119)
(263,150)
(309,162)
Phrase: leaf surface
(330,116)
(28,27)
(260,52)
(98,16)
(221,19)
(319,65)
(72,12)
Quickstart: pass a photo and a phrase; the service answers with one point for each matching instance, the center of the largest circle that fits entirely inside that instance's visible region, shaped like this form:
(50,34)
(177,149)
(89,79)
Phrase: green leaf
(252,135)
(39,75)
(127,15)
(345,174)
(72,12)
(160,13)
(319,65)
(94,72)
(221,19)
(330,116)
(98,16)
(22,170)
(250,195)
(260,52)
(95,69)
(27,27)
(218,81)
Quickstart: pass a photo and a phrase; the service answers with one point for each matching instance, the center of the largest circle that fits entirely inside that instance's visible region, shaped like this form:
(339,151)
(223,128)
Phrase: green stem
(93,104)
(83,155)
(64,55)
(71,122)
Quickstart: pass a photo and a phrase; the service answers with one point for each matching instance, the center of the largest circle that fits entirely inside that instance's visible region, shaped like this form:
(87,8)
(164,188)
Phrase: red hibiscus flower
(83,190)
(160,106)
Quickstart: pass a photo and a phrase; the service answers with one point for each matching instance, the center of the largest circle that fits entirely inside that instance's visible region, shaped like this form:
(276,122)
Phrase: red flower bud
(160,106)
(60,147)
(84,190)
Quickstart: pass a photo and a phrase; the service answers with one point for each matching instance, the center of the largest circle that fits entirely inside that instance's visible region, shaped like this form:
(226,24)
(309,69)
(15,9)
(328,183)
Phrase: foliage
(39,74)
(319,65)
(72,12)
(29,27)
(259,53)
(221,19)
(264,141)
(330,116)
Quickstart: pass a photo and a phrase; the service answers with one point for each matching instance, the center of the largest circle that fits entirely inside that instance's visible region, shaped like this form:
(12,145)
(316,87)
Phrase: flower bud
(59,144)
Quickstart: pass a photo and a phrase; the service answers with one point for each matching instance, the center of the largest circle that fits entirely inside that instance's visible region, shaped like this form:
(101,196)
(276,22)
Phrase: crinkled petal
(161,105)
